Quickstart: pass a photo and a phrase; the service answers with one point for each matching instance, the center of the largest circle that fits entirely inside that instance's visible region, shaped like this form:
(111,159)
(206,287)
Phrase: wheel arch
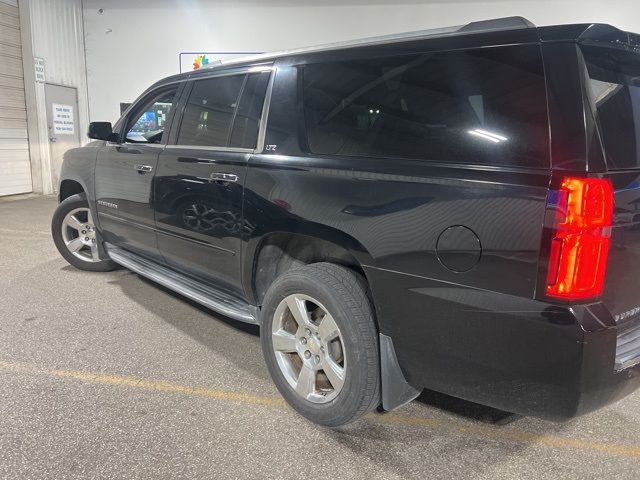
(279,251)
(69,187)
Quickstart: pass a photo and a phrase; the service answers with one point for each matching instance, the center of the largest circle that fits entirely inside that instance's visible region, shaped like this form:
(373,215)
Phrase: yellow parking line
(498,433)
(485,431)
(135,382)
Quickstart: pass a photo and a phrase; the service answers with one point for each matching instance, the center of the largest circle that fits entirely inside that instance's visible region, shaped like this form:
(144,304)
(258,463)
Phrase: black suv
(454,210)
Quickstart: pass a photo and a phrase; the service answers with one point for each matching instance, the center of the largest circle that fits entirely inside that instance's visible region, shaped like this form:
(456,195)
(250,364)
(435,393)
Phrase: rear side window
(247,121)
(615,91)
(209,111)
(485,106)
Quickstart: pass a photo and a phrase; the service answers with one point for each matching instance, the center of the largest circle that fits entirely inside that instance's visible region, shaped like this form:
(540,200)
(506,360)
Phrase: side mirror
(102,131)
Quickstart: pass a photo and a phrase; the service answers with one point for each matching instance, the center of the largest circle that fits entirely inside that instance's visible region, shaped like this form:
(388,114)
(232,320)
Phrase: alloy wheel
(309,348)
(79,235)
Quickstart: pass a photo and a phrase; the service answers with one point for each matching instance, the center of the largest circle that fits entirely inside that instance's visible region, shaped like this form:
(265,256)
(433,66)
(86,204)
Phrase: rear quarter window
(484,106)
(614,85)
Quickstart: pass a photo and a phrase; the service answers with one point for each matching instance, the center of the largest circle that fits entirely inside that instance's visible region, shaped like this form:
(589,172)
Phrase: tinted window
(615,90)
(478,107)
(247,121)
(147,123)
(209,111)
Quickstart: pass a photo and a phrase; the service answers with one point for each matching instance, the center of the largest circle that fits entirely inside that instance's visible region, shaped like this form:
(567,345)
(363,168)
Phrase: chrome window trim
(142,144)
(135,144)
(262,130)
(241,70)
(210,147)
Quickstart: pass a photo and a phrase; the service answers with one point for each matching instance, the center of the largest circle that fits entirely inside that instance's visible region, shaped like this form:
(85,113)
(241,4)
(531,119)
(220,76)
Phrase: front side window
(147,124)
(485,106)
(209,112)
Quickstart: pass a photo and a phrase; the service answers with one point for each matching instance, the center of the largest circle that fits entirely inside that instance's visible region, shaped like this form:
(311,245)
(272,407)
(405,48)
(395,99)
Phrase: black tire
(71,203)
(344,294)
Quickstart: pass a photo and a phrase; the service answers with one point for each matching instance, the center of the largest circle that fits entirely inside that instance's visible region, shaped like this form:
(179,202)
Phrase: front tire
(75,235)
(320,343)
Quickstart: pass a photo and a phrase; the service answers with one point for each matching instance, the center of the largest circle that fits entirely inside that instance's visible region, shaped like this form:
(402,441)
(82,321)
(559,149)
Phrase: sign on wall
(63,123)
(38,66)
(197,60)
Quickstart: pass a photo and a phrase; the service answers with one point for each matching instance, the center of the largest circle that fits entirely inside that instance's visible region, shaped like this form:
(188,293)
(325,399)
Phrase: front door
(62,124)
(199,183)
(125,171)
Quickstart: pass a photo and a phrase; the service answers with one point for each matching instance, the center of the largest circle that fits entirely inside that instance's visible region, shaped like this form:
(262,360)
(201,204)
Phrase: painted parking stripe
(456,427)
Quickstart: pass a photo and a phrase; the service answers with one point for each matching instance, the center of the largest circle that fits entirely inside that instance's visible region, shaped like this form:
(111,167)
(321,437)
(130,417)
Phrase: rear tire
(320,343)
(76,237)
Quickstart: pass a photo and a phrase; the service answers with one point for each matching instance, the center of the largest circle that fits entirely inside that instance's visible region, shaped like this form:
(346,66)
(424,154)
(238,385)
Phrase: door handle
(143,168)
(223,177)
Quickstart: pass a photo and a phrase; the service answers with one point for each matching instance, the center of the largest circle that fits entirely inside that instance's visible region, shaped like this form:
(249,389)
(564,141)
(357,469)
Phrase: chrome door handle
(223,177)
(143,168)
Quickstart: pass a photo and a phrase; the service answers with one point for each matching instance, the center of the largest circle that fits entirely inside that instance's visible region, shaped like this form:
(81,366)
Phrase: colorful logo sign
(200,61)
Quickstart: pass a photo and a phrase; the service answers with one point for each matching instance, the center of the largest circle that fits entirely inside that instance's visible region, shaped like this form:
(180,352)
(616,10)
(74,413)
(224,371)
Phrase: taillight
(581,238)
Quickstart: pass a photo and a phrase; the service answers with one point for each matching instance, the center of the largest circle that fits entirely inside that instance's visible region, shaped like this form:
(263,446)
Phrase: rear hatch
(614,88)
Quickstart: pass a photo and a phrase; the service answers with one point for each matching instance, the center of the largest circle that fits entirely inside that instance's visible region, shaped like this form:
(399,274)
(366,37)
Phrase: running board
(208,296)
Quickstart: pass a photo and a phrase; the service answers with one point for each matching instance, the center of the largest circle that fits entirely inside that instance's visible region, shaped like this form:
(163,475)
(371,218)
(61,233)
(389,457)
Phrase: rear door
(125,171)
(199,182)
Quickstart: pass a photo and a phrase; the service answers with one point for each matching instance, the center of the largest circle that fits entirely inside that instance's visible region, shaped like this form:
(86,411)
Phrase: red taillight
(580,243)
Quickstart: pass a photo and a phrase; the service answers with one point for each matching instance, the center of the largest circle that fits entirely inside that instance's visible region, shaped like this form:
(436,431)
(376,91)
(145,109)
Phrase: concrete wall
(133,43)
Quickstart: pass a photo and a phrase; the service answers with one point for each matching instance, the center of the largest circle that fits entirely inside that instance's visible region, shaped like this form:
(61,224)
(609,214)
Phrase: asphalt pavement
(108,375)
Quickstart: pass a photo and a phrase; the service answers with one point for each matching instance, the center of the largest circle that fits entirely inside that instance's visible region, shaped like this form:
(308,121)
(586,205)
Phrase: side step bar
(208,296)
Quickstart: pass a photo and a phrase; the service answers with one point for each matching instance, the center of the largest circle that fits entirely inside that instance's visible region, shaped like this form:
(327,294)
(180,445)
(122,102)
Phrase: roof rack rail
(507,23)
(497,24)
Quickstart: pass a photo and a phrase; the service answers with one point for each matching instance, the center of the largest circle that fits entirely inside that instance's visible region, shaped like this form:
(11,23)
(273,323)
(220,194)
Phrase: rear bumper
(606,390)
(519,355)
(628,344)
(607,371)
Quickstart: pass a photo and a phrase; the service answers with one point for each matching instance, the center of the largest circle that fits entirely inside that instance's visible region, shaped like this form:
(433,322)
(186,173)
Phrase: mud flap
(396,391)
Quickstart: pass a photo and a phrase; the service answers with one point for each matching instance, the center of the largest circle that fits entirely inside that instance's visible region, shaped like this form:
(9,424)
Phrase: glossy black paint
(199,219)
(466,311)
(132,223)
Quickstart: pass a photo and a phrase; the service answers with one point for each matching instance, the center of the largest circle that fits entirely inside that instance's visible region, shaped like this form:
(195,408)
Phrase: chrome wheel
(309,348)
(79,234)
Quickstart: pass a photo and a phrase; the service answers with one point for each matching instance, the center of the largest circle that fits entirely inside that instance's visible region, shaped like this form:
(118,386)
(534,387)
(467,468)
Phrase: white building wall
(53,30)
(132,44)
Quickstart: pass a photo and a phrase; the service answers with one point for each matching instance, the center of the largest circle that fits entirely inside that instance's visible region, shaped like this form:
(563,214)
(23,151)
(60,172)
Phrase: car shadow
(236,342)
(466,409)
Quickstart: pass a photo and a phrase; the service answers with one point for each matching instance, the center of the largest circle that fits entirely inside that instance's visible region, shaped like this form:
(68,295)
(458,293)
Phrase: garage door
(15,167)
